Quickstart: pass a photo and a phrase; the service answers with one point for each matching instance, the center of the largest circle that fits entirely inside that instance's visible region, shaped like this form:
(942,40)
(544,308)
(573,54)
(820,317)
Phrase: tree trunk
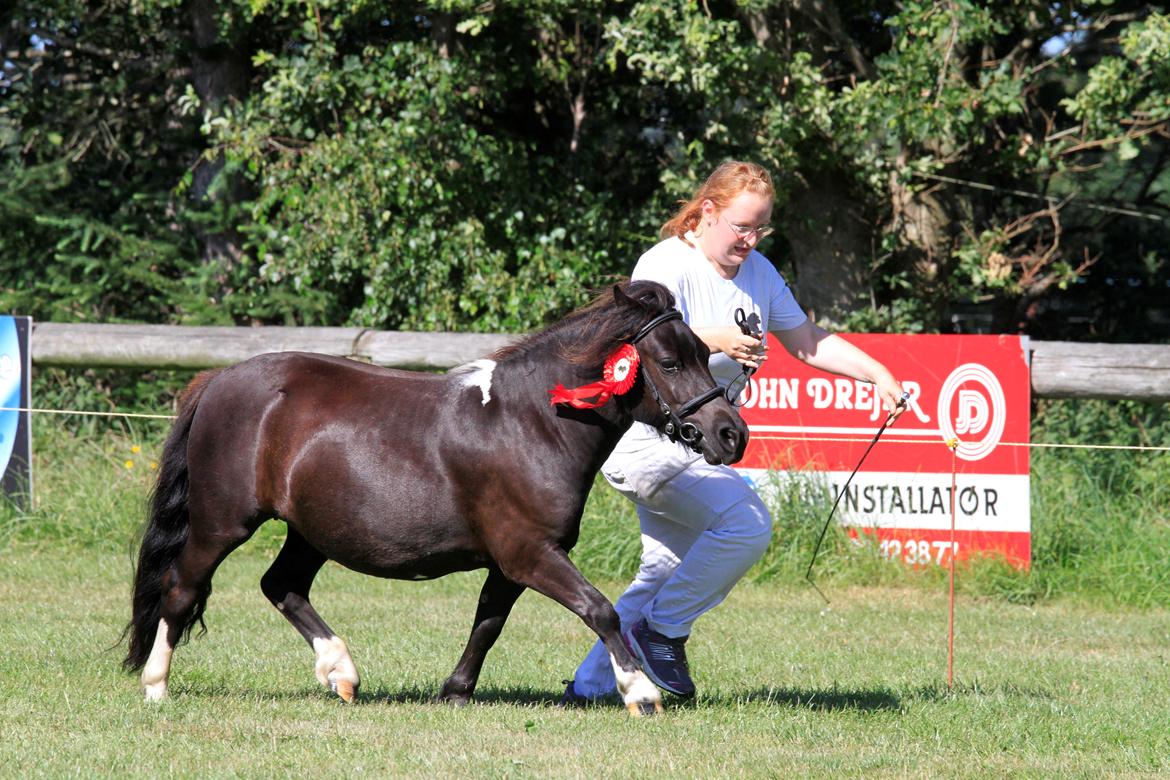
(220,72)
(925,222)
(831,247)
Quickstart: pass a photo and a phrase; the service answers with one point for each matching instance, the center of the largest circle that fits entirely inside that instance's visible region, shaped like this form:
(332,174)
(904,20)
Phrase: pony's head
(655,367)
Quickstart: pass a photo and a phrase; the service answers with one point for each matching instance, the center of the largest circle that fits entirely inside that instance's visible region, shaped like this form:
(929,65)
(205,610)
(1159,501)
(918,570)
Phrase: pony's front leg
(495,603)
(550,572)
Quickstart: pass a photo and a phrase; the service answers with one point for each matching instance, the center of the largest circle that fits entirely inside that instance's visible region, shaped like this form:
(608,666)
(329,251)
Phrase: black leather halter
(675,428)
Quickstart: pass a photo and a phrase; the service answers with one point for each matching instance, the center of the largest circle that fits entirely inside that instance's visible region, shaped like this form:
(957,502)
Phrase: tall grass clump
(91,474)
(1101,518)
(610,543)
(88,489)
(800,503)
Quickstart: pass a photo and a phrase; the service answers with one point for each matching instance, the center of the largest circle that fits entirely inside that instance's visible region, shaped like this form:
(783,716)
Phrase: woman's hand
(890,391)
(730,340)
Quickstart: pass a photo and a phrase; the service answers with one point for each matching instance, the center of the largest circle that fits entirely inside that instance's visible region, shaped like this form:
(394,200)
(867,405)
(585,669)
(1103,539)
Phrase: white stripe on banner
(985,502)
(864,435)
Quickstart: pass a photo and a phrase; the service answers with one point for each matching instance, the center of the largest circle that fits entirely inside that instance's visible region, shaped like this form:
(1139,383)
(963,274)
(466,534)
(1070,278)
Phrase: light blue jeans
(702,529)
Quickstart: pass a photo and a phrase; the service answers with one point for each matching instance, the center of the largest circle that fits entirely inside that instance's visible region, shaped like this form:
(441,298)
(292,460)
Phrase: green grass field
(787,688)
(1063,670)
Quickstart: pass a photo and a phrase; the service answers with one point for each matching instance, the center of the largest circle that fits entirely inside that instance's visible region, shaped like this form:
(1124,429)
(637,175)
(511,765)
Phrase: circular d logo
(972,409)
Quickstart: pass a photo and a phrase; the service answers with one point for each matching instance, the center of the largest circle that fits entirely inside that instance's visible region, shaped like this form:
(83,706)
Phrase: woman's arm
(814,345)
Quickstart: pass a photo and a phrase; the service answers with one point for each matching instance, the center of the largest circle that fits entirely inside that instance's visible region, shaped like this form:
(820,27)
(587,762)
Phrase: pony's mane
(590,334)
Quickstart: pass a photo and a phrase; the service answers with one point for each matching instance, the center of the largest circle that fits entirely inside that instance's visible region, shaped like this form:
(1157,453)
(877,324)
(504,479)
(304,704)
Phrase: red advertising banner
(974,389)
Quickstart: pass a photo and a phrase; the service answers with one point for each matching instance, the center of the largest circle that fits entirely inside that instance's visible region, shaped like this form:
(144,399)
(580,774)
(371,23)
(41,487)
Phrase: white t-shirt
(708,300)
(705,299)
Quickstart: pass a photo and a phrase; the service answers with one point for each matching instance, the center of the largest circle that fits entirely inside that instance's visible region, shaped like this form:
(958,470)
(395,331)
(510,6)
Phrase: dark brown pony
(413,476)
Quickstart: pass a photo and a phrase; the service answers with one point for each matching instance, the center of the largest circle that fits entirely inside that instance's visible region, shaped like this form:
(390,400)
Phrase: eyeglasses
(743,232)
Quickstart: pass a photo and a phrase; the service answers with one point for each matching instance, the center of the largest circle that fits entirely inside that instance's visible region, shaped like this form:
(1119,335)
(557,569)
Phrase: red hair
(722,186)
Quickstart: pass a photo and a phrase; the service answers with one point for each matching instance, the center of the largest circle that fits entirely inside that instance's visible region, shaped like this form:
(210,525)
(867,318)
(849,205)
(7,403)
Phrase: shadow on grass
(823,699)
(519,696)
(826,699)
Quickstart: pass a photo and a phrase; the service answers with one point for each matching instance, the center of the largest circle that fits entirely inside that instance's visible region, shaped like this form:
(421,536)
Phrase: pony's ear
(642,294)
(621,298)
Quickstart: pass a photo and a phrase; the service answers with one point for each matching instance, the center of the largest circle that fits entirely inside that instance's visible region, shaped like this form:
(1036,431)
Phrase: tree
(89,153)
(477,165)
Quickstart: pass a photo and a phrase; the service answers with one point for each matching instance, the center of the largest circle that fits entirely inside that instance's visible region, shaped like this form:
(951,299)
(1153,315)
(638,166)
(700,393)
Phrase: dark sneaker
(570,698)
(664,658)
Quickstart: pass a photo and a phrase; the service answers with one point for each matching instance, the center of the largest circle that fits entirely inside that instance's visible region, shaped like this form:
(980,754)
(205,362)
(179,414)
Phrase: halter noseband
(675,428)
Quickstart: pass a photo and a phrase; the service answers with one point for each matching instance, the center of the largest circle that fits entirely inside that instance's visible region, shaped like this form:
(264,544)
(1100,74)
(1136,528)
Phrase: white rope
(761,437)
(1031,445)
(87,414)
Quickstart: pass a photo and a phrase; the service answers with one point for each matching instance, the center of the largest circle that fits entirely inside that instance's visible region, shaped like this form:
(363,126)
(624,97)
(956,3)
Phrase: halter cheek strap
(675,428)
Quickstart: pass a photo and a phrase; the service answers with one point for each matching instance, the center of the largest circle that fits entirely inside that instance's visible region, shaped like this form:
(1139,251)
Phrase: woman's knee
(657,565)
(751,524)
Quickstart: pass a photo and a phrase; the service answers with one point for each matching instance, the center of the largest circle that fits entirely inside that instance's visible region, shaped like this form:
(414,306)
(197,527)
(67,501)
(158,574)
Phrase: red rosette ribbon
(618,376)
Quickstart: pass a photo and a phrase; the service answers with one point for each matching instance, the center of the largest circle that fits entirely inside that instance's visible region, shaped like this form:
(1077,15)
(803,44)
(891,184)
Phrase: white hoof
(155,691)
(334,668)
(640,696)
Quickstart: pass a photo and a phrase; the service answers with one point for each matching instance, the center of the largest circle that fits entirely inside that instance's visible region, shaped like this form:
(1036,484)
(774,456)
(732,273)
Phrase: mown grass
(787,688)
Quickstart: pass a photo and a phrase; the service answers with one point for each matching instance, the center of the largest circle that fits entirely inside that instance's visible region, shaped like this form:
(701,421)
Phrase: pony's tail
(165,535)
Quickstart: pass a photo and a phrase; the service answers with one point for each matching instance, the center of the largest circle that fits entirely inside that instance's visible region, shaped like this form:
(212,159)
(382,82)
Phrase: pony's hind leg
(495,603)
(185,589)
(286,584)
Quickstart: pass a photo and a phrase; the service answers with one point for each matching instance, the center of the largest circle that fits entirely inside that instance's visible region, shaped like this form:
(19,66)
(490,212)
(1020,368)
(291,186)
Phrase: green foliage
(89,491)
(87,266)
(460,165)
(87,223)
(1128,423)
(106,392)
(1129,87)
(414,235)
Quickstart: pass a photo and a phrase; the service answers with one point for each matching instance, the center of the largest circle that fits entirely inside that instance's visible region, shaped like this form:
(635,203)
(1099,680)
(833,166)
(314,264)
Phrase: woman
(702,526)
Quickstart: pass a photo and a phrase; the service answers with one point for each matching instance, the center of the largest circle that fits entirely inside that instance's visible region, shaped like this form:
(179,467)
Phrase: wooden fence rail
(1059,369)
(179,346)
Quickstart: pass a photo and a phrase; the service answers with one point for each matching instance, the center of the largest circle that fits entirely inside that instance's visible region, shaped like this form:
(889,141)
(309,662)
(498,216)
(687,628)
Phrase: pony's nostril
(729,436)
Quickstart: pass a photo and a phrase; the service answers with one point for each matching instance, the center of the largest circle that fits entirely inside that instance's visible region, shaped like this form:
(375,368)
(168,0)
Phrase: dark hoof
(454,699)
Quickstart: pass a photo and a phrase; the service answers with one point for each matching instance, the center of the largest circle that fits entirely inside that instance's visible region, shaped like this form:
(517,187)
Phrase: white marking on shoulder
(477,373)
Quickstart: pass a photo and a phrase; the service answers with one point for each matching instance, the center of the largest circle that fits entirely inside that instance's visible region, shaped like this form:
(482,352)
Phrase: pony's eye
(670,366)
